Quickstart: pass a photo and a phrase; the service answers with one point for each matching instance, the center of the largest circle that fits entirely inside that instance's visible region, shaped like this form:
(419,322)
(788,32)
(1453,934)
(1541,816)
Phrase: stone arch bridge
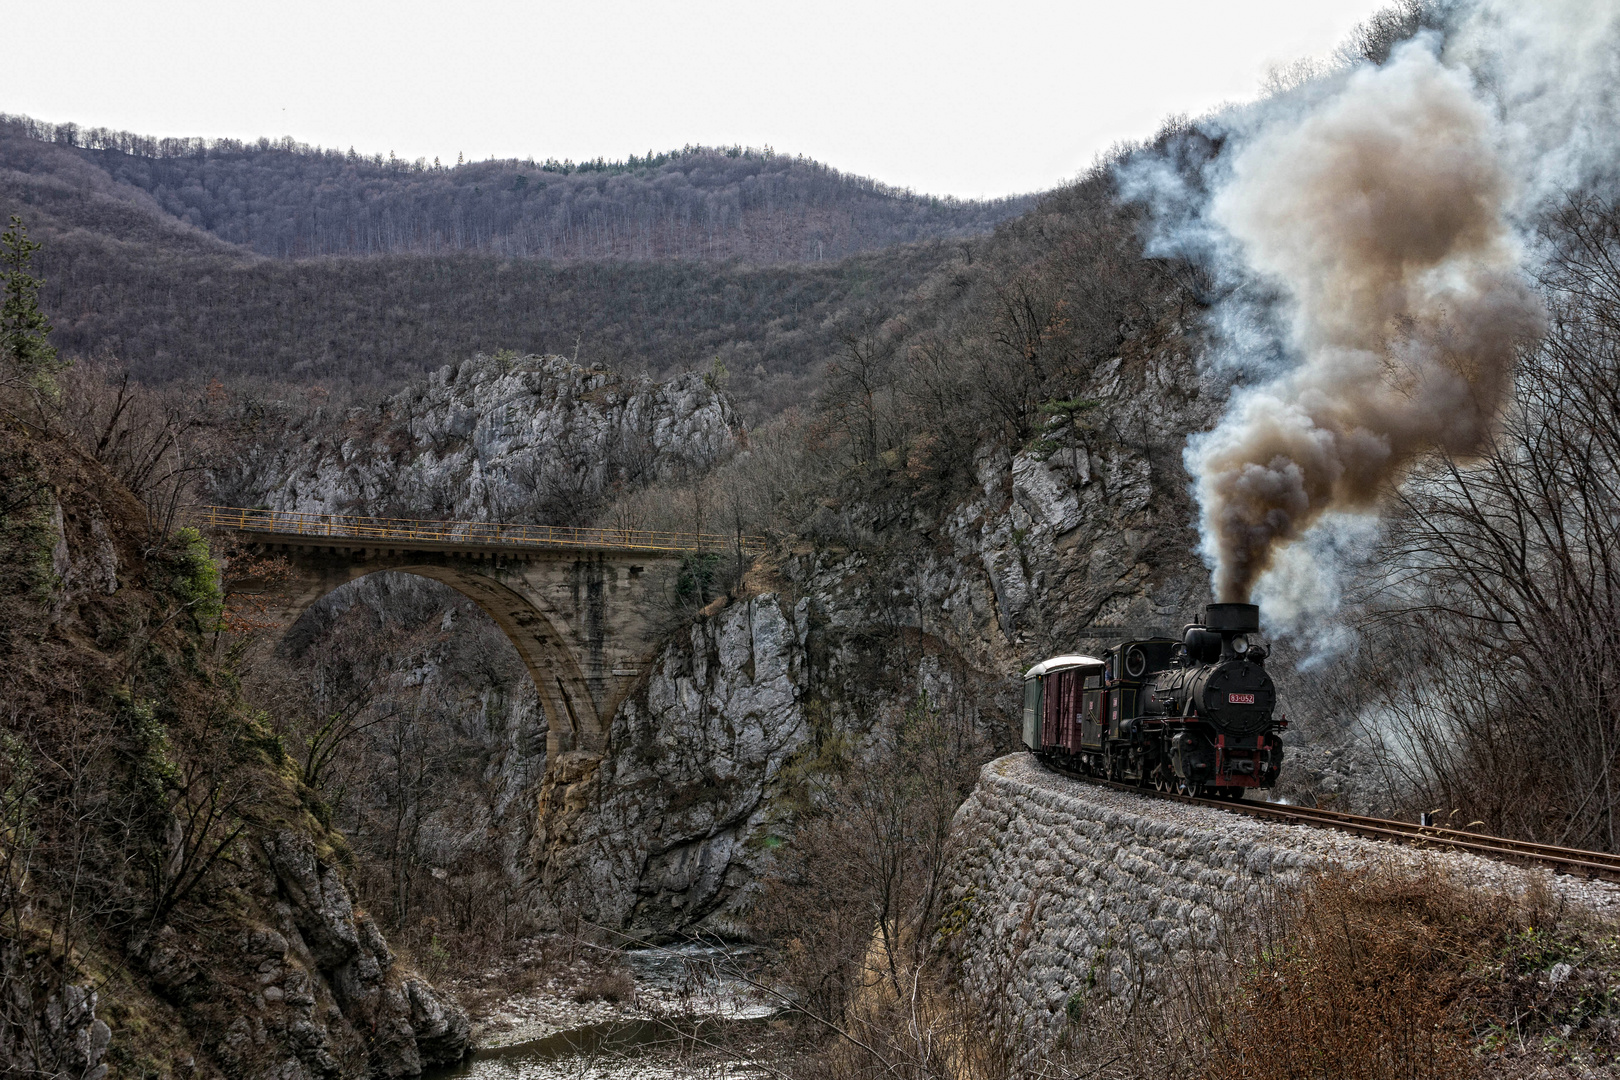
(579,605)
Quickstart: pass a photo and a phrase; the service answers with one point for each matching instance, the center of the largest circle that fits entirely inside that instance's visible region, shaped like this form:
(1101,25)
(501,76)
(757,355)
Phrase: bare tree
(1500,619)
(153,441)
(857,388)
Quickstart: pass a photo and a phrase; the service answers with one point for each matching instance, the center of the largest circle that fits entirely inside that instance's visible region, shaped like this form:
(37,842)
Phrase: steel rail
(1591,864)
(409,530)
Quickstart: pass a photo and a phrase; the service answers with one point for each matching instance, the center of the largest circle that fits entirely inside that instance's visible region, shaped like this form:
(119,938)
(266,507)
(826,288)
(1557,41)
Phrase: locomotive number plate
(1240,699)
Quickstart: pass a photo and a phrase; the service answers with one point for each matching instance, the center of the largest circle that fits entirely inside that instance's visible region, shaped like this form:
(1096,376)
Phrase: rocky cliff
(1056,546)
(169,904)
(710,758)
(528,439)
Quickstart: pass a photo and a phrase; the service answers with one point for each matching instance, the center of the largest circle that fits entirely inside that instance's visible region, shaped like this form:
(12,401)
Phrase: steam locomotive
(1193,716)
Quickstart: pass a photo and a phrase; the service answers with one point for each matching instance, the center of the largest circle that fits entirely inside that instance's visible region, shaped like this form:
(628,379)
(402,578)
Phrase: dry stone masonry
(1063,887)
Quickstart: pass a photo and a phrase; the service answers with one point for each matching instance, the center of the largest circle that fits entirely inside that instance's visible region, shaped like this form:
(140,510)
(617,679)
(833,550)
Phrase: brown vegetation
(410,718)
(860,893)
(1374,974)
(288,200)
(129,772)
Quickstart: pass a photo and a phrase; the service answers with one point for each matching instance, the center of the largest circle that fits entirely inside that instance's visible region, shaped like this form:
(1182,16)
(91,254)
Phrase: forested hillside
(125,277)
(377,322)
(289,200)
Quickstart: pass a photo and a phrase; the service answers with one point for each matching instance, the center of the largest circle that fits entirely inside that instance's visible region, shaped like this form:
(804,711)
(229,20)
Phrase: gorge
(452,607)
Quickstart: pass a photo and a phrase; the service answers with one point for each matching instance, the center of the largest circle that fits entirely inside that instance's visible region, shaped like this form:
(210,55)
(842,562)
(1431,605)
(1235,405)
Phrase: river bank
(564,1007)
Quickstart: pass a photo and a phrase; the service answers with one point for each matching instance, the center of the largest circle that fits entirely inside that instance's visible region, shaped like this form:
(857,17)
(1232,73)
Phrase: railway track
(1589,864)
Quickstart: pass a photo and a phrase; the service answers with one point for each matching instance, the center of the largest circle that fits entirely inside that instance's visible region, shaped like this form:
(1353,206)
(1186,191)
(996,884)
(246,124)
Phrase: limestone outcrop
(674,827)
(532,439)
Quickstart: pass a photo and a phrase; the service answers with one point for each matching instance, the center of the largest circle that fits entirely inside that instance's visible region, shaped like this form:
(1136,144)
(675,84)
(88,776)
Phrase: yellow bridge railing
(406,530)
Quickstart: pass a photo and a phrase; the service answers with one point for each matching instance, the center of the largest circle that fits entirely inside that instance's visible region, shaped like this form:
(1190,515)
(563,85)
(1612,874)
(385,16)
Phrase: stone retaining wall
(1061,886)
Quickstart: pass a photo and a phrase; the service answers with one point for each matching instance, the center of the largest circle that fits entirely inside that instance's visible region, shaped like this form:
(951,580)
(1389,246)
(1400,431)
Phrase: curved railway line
(1595,865)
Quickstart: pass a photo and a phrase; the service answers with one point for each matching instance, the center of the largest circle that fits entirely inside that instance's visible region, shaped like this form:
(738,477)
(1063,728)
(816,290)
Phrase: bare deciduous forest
(659,264)
(288,200)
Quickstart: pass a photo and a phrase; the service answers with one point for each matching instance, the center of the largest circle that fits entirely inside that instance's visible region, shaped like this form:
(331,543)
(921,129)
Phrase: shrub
(197,582)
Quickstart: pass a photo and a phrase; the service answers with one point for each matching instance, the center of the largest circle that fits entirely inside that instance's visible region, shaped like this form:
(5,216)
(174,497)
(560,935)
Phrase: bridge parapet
(411,531)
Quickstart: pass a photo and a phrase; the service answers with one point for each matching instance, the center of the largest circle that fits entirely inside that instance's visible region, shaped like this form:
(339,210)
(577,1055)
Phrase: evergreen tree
(23,326)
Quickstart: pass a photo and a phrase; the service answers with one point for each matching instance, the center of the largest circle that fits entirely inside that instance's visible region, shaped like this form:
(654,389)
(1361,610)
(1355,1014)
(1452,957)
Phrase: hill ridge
(285,199)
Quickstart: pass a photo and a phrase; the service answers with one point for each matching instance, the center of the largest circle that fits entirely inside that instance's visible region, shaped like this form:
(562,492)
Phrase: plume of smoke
(1553,69)
(1308,578)
(1380,209)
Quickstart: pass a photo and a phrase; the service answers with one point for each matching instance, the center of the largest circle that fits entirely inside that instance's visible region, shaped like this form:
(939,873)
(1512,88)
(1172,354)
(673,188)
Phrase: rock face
(410,1028)
(522,439)
(684,797)
(1087,534)
(672,829)
(311,991)
(71,1036)
(1061,886)
(259,964)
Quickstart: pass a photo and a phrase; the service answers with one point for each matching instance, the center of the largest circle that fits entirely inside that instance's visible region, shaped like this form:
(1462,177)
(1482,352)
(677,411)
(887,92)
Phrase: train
(1195,716)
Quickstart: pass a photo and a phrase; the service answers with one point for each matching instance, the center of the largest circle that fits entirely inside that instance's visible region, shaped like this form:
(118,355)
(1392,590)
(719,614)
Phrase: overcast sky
(970,99)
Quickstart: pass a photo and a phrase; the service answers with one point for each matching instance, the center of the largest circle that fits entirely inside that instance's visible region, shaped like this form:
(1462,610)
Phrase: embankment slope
(1061,886)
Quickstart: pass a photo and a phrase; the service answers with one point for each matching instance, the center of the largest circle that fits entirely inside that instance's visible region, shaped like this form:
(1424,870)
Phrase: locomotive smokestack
(1380,211)
(1232,618)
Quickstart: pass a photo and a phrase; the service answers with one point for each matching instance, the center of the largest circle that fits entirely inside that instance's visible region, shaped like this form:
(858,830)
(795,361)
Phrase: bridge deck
(282,525)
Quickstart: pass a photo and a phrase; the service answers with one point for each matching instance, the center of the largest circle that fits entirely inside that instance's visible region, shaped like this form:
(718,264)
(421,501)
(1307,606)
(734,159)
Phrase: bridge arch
(571,715)
(584,622)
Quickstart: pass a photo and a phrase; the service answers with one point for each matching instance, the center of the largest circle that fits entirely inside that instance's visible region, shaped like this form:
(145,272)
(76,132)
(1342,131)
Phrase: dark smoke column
(1381,209)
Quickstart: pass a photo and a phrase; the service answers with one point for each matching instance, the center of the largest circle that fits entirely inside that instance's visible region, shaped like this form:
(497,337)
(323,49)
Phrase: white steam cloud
(1370,227)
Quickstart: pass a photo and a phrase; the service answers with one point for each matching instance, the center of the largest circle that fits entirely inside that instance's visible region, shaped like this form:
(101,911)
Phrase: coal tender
(1195,716)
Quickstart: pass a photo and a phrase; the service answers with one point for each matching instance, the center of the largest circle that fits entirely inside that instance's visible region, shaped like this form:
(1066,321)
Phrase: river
(694,1013)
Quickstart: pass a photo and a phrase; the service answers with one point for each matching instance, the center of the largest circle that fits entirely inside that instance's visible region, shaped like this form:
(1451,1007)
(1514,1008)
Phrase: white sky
(969,99)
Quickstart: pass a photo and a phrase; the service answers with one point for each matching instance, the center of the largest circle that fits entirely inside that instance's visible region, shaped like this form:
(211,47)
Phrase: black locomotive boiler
(1194,715)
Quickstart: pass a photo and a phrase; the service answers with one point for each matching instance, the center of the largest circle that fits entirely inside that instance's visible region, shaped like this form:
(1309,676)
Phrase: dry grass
(1375,974)
(1366,976)
(616,986)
